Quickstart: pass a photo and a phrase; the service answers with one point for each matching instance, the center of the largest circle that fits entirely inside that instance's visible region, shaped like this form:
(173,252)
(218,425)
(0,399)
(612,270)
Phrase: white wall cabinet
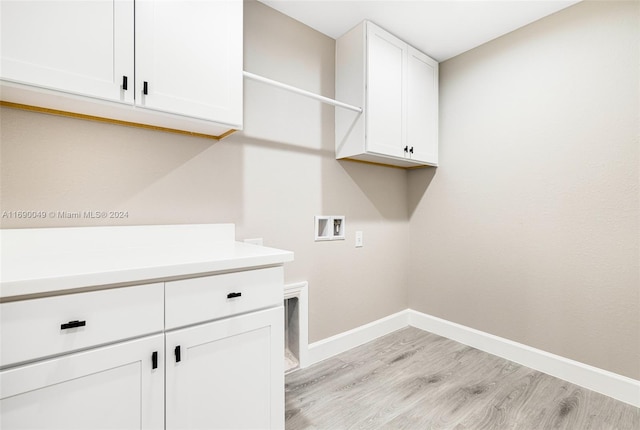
(189,53)
(187,60)
(384,99)
(398,87)
(422,107)
(74,47)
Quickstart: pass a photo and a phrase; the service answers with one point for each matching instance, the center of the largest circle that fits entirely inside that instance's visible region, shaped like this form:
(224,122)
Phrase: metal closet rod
(305,93)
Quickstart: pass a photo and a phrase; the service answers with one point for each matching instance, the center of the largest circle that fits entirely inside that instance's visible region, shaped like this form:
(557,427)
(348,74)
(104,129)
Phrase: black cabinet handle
(411,150)
(233,295)
(154,360)
(406,149)
(178,355)
(145,88)
(125,81)
(73,324)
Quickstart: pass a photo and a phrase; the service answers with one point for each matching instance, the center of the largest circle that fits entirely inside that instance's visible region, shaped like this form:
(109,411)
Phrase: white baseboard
(602,381)
(342,342)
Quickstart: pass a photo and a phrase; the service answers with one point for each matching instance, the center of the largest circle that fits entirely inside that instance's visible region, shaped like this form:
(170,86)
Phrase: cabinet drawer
(48,326)
(190,301)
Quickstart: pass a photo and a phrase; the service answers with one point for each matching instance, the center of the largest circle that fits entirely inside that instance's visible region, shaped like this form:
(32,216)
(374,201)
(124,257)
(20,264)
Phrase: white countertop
(46,261)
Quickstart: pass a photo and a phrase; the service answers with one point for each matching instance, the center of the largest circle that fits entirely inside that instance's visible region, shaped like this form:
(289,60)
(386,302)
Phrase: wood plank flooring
(412,379)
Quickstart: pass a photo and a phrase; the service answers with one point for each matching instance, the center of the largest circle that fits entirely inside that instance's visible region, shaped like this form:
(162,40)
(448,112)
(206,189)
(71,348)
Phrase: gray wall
(270,180)
(529,230)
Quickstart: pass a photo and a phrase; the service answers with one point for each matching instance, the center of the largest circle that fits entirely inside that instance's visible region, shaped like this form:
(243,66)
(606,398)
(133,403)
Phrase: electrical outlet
(359,239)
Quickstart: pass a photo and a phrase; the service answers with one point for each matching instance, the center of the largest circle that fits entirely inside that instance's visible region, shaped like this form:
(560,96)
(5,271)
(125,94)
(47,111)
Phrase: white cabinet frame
(114,386)
(398,85)
(90,60)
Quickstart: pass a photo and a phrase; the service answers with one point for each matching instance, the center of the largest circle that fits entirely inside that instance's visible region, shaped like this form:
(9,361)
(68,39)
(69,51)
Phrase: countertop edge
(52,286)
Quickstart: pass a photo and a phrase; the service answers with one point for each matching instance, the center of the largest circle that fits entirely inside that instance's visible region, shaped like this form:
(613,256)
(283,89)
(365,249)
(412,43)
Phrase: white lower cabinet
(227,374)
(199,353)
(113,387)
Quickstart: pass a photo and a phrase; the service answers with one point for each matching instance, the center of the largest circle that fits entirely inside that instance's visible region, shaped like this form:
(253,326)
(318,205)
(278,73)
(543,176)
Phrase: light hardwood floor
(412,379)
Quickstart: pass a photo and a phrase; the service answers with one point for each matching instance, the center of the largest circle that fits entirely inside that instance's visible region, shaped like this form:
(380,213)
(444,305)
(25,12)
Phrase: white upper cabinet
(80,47)
(422,107)
(189,54)
(102,55)
(398,88)
(384,105)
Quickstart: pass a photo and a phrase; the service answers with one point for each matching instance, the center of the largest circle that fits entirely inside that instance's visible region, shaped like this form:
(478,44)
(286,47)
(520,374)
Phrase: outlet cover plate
(329,227)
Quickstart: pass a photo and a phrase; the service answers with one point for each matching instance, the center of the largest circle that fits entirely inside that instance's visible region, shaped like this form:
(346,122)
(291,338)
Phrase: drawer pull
(154,360)
(233,295)
(73,324)
(178,355)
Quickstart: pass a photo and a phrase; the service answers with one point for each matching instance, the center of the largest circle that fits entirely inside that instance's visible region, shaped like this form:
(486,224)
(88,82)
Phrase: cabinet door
(189,54)
(79,47)
(422,107)
(384,104)
(227,374)
(114,387)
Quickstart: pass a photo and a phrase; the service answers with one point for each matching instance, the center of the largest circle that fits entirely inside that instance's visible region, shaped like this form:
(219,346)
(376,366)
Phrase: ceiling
(441,29)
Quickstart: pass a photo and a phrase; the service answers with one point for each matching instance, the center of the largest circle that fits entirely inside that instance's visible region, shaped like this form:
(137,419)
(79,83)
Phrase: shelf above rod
(305,93)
